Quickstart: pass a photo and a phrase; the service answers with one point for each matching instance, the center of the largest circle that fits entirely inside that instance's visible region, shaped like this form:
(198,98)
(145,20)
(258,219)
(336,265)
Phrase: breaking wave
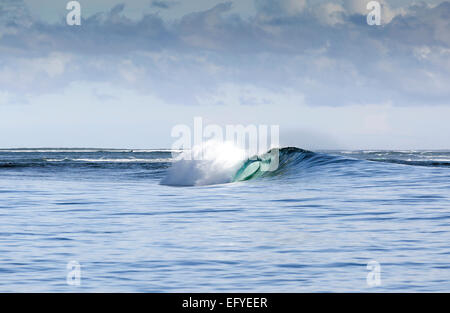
(227,164)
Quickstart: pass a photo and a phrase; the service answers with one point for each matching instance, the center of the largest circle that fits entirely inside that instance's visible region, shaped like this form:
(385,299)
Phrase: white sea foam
(213,162)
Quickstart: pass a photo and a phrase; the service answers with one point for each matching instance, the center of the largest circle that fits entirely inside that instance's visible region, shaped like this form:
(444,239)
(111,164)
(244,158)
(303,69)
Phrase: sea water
(136,222)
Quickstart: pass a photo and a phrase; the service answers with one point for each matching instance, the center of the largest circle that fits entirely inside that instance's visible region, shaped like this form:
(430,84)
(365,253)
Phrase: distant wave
(79,162)
(82,150)
(428,163)
(101,160)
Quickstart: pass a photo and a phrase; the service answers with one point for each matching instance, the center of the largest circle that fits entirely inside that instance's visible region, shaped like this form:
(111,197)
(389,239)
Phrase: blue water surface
(313,228)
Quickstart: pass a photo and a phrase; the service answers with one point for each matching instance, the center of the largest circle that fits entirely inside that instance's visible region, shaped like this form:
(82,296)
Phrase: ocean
(136,221)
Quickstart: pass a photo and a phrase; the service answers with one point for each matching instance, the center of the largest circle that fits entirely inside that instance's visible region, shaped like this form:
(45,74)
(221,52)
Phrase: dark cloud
(163,4)
(422,26)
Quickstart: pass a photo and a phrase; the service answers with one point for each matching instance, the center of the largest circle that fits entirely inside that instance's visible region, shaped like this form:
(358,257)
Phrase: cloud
(323,54)
(330,13)
(29,75)
(280,8)
(250,95)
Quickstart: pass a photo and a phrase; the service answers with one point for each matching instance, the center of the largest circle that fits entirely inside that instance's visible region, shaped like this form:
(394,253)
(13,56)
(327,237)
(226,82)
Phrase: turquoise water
(312,226)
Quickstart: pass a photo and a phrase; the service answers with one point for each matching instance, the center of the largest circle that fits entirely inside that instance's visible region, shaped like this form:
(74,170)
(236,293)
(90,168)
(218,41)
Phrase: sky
(135,69)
